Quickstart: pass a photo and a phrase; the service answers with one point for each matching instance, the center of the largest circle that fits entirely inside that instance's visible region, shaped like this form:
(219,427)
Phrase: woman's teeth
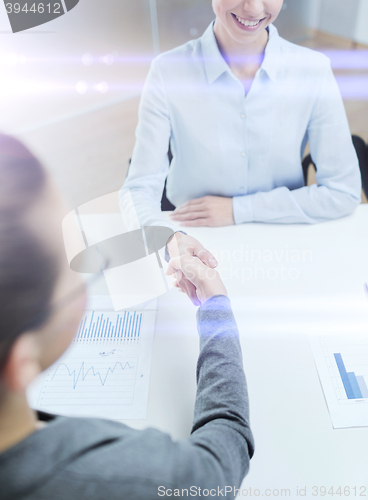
(248,23)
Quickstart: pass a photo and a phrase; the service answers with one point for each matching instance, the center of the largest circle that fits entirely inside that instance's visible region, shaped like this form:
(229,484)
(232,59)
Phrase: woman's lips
(251,26)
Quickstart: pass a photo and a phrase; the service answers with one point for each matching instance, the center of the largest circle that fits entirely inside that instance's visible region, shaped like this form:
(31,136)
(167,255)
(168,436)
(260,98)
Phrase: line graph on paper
(105,372)
(83,372)
(97,381)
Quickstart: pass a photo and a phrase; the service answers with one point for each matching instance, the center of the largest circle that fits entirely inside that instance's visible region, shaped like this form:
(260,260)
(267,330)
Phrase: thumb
(173,266)
(206,257)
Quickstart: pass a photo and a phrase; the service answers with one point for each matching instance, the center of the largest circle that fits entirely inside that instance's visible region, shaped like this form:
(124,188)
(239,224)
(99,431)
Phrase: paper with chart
(106,370)
(342,364)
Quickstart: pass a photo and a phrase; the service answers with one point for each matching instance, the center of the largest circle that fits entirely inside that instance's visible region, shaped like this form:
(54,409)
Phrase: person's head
(245,21)
(34,273)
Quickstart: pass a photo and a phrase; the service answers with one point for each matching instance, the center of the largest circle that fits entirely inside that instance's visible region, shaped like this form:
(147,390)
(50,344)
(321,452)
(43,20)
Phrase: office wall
(361,32)
(341,18)
(68,55)
(95,55)
(182,20)
(119,24)
(314,13)
(294,20)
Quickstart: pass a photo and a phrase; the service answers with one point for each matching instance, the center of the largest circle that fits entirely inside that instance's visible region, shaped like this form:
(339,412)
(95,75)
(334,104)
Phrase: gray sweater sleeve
(218,451)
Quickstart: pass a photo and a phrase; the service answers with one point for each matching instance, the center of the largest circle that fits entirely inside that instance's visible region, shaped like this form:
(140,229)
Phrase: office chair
(362,153)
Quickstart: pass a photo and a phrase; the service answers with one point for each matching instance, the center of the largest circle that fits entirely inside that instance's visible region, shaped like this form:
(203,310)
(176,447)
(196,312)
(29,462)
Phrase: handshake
(193,267)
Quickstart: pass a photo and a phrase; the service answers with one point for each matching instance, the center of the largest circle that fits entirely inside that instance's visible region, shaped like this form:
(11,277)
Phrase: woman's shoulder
(297,55)
(180,62)
(186,51)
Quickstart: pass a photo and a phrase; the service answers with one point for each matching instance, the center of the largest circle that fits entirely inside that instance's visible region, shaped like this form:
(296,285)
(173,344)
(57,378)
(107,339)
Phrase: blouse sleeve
(338,189)
(150,164)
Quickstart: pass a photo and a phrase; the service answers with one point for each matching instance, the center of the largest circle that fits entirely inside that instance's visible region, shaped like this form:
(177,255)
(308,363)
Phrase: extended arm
(221,444)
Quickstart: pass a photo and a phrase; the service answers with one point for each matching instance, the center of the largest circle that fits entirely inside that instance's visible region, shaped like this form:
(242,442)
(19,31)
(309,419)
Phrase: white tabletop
(318,289)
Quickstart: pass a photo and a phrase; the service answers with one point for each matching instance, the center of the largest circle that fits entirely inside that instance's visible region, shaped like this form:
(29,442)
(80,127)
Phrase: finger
(190,290)
(190,203)
(179,275)
(196,223)
(173,266)
(187,262)
(206,257)
(192,269)
(190,215)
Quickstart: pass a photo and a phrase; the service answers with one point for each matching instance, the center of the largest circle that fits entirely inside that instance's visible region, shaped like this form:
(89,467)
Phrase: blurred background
(70,88)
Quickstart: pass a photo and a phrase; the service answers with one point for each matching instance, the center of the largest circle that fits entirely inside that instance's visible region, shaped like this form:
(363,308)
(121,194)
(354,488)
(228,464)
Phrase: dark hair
(28,271)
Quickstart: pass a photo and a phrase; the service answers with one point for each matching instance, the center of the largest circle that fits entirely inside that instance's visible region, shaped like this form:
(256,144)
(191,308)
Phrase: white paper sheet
(106,370)
(342,365)
(134,283)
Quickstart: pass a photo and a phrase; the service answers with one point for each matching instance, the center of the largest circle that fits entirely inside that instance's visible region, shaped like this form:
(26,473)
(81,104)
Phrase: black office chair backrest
(166,205)
(361,149)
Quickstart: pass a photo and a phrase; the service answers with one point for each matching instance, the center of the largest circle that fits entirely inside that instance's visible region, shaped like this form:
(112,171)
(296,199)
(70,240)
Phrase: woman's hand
(206,282)
(181,245)
(206,211)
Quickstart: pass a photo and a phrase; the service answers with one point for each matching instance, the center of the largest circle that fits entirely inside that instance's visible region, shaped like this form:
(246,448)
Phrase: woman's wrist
(178,235)
(172,236)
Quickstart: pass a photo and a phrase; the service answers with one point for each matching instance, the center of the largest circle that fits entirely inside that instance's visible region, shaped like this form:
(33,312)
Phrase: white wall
(341,18)
(314,13)
(361,31)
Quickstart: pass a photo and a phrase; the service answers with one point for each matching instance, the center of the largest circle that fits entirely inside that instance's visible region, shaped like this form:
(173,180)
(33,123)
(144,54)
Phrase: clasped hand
(207,211)
(193,267)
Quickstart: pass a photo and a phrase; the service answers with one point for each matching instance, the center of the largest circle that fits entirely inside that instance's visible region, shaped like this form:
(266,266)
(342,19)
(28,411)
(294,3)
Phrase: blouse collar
(215,65)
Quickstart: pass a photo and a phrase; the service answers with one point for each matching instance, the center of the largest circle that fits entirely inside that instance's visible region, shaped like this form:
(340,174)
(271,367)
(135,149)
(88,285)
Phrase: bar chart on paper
(105,372)
(342,364)
(110,326)
(355,386)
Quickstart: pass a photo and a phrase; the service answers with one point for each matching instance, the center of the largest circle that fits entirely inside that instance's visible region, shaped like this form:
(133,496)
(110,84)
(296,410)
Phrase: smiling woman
(251,15)
(237,108)
(248,23)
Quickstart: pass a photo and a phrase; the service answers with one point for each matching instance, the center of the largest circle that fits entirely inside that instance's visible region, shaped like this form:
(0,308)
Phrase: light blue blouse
(245,147)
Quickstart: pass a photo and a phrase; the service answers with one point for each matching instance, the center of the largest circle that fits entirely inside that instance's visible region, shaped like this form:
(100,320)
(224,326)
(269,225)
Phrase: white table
(296,446)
